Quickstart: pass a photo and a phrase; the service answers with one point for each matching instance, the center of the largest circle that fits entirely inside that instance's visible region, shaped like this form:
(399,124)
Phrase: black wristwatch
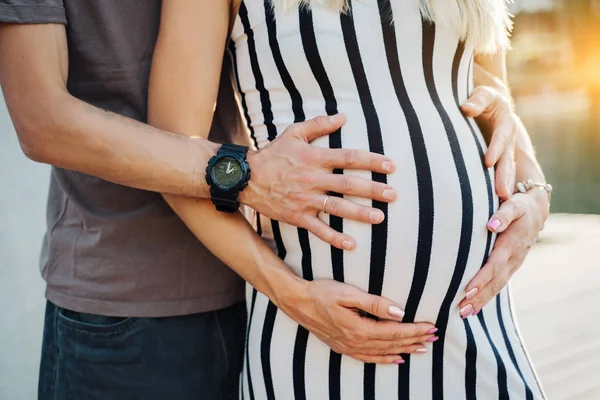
(228,174)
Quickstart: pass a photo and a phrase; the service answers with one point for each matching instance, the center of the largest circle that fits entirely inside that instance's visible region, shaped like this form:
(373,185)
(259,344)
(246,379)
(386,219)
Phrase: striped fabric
(400,85)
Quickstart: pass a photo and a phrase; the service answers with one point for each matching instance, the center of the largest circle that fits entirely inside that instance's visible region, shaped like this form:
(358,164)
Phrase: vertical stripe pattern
(400,81)
(313,58)
(424,182)
(467,209)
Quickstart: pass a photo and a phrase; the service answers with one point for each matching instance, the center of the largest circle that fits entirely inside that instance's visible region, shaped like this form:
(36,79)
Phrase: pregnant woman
(398,70)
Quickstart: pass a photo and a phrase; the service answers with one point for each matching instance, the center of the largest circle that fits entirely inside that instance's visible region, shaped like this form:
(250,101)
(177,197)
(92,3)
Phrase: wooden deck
(557,296)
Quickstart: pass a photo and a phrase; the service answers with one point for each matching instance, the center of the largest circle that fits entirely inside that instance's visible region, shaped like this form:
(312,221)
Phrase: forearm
(59,129)
(527,166)
(233,240)
(116,148)
(181,98)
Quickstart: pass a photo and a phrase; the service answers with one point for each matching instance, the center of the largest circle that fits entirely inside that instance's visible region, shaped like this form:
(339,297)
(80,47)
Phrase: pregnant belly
(434,237)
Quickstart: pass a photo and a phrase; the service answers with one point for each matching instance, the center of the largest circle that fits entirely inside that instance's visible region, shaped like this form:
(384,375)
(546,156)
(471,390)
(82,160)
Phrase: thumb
(481,99)
(319,126)
(508,212)
(375,305)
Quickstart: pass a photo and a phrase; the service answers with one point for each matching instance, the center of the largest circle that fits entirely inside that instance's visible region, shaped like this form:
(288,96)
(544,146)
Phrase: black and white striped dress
(400,86)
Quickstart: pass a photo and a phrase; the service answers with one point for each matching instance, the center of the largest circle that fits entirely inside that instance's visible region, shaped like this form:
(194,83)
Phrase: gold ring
(325,203)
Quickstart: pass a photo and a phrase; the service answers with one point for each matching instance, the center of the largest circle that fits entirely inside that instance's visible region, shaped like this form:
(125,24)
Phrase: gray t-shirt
(111,249)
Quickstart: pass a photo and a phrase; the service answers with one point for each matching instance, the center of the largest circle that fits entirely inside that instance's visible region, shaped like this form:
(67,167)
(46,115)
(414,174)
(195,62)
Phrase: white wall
(23,191)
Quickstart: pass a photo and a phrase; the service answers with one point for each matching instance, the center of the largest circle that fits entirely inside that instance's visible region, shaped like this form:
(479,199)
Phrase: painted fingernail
(432,331)
(466,310)
(335,118)
(389,194)
(495,224)
(471,293)
(400,361)
(433,339)
(422,350)
(375,217)
(347,245)
(387,166)
(395,312)
(474,106)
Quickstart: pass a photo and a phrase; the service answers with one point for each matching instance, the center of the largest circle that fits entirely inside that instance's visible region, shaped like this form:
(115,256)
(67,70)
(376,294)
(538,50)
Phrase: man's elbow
(36,131)
(30,139)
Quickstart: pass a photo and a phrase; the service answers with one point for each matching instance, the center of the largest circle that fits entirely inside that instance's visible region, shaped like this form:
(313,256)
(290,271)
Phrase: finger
(317,127)
(480,100)
(508,212)
(400,333)
(494,267)
(502,274)
(502,136)
(505,175)
(359,187)
(356,159)
(326,233)
(392,355)
(352,297)
(346,209)
(384,347)
(488,292)
(370,359)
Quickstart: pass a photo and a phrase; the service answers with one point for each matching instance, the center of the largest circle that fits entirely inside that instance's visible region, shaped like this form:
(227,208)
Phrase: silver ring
(325,203)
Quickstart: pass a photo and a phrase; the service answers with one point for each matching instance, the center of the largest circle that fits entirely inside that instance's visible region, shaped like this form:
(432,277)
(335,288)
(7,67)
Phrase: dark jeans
(91,357)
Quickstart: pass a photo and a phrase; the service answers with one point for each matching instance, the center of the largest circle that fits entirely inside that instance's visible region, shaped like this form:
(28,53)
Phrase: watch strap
(223,201)
(233,147)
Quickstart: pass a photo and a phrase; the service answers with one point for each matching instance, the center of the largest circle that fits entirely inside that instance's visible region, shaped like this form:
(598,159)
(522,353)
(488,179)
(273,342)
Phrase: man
(138,308)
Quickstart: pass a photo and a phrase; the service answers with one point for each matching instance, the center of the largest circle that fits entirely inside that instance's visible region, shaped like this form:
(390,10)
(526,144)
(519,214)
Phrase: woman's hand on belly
(517,222)
(330,311)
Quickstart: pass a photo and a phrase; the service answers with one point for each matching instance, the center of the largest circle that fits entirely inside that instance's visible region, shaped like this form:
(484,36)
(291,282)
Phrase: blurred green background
(554,72)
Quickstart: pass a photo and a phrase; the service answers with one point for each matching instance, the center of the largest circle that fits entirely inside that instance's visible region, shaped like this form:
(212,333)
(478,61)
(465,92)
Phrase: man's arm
(289,178)
(181,98)
(58,129)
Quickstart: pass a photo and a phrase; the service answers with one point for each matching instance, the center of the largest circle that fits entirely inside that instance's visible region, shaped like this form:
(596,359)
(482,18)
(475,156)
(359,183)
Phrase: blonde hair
(483,24)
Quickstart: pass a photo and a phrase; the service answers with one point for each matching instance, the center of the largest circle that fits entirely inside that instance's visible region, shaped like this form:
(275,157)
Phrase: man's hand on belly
(494,114)
(291,180)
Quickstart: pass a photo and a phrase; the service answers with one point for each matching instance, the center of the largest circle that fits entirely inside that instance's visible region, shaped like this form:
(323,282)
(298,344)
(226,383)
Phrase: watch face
(227,172)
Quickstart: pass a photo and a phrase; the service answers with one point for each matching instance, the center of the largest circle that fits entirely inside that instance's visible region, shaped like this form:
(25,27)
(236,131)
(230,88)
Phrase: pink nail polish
(495,224)
(422,350)
(466,310)
(395,312)
(400,361)
(432,331)
(471,293)
(433,339)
